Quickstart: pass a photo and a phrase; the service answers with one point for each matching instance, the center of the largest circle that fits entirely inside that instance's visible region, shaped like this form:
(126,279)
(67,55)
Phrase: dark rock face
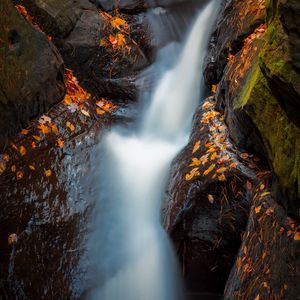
(31,78)
(206,214)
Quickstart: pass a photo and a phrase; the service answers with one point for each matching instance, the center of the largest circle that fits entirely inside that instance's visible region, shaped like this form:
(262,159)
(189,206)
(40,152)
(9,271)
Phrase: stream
(130,255)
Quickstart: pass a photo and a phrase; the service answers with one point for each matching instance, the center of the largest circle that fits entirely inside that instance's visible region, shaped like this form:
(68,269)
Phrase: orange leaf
(60,143)
(297,236)
(13,168)
(24,131)
(36,137)
(19,175)
(221,170)
(192,174)
(117,22)
(222,177)
(48,173)
(22,150)
(195,162)
(258,209)
(43,128)
(196,147)
(2,168)
(54,129)
(214,156)
(121,39)
(100,111)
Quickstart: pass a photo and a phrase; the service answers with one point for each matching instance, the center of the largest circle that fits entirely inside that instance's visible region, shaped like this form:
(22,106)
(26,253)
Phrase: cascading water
(133,257)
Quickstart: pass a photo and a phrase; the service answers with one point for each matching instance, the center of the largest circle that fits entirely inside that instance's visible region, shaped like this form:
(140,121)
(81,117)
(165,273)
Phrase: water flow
(136,261)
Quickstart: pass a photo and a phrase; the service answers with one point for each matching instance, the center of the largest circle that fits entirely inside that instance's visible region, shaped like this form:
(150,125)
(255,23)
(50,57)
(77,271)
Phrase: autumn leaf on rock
(258,209)
(206,172)
(19,175)
(36,137)
(100,111)
(31,167)
(44,119)
(214,156)
(70,126)
(43,128)
(54,128)
(210,198)
(221,170)
(120,39)
(2,168)
(117,22)
(196,147)
(297,236)
(22,150)
(192,174)
(222,177)
(85,113)
(60,143)
(207,105)
(195,162)
(48,173)
(12,238)
(24,131)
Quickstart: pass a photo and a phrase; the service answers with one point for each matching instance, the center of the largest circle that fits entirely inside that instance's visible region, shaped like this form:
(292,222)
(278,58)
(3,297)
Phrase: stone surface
(206,214)
(31,78)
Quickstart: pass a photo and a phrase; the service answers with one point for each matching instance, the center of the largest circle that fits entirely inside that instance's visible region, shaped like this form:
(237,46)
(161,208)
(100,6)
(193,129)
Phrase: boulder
(31,78)
(207,202)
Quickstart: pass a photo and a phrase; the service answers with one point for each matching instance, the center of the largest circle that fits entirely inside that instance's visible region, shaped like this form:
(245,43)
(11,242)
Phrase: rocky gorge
(72,69)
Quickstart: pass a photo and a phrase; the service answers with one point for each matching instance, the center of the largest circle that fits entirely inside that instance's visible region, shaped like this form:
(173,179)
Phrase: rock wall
(31,78)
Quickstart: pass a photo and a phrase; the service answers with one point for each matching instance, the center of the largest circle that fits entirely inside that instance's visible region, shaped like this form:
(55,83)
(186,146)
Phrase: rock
(244,17)
(101,67)
(31,79)
(267,264)
(56,18)
(205,214)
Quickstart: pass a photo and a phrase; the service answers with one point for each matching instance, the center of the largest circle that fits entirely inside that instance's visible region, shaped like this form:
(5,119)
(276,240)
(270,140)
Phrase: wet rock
(56,18)
(101,67)
(244,17)
(267,266)
(31,78)
(207,202)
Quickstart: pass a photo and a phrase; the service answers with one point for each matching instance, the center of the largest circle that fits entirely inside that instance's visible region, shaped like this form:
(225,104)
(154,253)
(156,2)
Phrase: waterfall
(131,252)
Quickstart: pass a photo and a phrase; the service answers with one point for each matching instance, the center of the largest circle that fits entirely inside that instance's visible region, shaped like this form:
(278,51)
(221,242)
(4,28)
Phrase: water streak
(135,259)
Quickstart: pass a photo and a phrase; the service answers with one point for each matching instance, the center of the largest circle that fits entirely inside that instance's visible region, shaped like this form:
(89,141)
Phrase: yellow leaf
(204,159)
(214,156)
(195,162)
(297,236)
(31,167)
(265,194)
(221,170)
(192,174)
(211,149)
(214,88)
(48,173)
(196,147)
(24,131)
(233,165)
(13,168)
(68,100)
(70,126)
(100,111)
(43,128)
(210,198)
(22,150)
(84,112)
(36,137)
(54,128)
(206,172)
(258,209)
(207,105)
(116,22)
(222,177)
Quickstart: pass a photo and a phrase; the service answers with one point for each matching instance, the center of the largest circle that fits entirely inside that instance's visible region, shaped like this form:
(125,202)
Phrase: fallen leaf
(195,162)
(24,131)
(43,128)
(2,168)
(233,165)
(44,119)
(48,173)
(70,126)
(207,105)
(117,22)
(265,194)
(214,88)
(13,168)
(31,167)
(19,175)
(121,39)
(85,113)
(6,157)
(192,174)
(12,238)
(36,137)
(222,177)
(210,198)
(206,172)
(214,156)
(60,143)
(221,170)
(258,209)
(257,297)
(297,236)
(100,111)
(22,150)
(33,145)
(196,147)
(54,129)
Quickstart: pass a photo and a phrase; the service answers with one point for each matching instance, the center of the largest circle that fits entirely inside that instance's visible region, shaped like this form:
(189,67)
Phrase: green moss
(281,137)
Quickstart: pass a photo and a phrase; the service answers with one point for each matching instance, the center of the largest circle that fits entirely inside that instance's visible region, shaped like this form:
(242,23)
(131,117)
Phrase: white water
(135,260)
